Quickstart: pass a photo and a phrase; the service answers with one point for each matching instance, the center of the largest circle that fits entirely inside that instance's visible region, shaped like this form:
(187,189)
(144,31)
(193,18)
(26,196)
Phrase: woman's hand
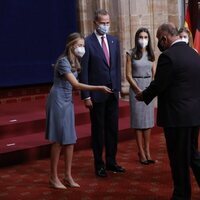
(105,89)
(136,89)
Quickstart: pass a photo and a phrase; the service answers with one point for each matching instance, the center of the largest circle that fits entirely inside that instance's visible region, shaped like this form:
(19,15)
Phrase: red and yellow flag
(192,21)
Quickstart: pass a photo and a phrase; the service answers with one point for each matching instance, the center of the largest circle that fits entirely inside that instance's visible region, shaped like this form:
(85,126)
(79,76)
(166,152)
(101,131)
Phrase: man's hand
(139,96)
(88,103)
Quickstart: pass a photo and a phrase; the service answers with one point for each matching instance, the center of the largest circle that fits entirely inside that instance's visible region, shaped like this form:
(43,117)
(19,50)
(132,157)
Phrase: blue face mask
(103,29)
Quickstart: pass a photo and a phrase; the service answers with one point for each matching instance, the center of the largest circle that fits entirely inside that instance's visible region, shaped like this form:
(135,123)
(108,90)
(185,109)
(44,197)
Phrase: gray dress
(60,126)
(142,115)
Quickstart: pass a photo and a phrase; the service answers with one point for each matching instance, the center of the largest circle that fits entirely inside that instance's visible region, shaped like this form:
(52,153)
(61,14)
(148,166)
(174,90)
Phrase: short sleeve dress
(142,115)
(60,123)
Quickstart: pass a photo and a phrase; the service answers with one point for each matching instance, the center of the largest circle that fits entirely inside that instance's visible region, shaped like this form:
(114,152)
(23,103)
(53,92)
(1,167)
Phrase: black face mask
(160,46)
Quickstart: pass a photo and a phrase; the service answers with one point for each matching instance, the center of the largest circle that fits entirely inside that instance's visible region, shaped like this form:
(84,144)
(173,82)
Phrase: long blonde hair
(68,52)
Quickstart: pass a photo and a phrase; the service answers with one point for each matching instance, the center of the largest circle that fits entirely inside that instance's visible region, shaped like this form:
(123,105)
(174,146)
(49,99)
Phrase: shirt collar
(176,41)
(99,36)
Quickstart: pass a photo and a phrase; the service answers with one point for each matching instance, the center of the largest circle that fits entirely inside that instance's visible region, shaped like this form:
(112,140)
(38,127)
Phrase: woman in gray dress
(60,127)
(140,70)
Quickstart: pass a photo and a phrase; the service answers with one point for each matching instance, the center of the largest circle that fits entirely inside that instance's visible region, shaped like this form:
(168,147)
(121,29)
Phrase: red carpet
(30,181)
(22,140)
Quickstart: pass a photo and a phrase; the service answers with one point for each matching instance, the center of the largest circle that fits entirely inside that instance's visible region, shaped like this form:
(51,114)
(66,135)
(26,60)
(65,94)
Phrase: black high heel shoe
(151,161)
(143,162)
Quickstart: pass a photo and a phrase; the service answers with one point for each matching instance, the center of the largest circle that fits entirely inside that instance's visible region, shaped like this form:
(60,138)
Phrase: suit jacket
(96,71)
(177,85)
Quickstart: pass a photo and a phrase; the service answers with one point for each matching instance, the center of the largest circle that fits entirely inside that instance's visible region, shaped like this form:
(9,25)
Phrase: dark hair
(99,12)
(136,51)
(68,52)
(169,28)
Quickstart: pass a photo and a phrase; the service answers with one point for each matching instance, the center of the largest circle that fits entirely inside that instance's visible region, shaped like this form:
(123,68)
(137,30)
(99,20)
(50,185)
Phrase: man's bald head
(168,28)
(167,33)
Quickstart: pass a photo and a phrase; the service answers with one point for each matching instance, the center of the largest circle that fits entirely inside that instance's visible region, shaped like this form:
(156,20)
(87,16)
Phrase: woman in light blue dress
(140,70)
(60,126)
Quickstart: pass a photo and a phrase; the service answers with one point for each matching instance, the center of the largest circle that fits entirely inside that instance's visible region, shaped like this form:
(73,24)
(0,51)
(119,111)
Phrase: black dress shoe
(101,172)
(115,168)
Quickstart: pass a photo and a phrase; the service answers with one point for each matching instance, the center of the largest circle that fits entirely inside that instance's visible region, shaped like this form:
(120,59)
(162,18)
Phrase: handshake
(139,96)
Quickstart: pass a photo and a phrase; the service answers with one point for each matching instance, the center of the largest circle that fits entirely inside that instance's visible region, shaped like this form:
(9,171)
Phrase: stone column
(102,4)
(124,35)
(133,15)
(85,10)
(173,12)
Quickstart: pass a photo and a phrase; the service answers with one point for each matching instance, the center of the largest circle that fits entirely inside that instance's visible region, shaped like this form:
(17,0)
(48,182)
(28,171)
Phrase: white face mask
(143,42)
(185,39)
(103,29)
(79,51)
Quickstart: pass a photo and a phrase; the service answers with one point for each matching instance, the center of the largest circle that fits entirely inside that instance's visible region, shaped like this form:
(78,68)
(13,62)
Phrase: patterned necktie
(105,50)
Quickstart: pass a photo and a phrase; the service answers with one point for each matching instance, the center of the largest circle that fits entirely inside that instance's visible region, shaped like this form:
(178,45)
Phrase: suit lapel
(99,49)
(111,48)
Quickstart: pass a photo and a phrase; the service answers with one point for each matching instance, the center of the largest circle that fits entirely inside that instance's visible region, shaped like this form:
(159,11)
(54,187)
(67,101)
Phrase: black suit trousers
(182,148)
(104,128)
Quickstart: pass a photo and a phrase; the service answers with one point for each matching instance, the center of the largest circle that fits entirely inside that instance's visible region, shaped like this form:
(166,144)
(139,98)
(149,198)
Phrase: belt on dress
(141,76)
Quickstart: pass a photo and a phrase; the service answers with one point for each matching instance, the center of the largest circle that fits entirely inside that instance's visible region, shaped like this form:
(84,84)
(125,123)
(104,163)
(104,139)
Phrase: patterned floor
(153,182)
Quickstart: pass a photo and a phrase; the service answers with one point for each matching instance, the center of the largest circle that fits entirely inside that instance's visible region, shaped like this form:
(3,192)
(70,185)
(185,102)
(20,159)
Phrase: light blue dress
(60,124)
(142,115)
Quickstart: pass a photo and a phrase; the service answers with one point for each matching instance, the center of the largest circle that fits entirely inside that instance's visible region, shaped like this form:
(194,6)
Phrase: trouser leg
(179,151)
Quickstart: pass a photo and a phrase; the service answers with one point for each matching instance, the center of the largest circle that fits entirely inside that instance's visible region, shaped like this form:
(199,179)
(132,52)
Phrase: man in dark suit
(176,84)
(101,66)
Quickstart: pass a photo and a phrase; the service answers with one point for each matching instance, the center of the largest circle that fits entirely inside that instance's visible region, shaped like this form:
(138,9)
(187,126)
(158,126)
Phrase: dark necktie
(105,50)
